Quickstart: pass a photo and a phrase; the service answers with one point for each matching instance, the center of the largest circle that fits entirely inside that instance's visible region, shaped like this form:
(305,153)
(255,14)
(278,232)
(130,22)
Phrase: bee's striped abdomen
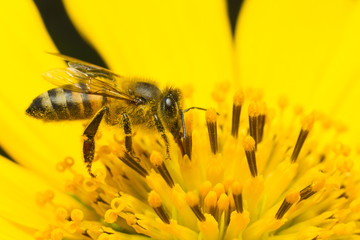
(62,104)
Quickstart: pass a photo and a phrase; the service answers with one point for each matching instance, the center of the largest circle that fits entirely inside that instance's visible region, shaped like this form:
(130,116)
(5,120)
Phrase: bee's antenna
(198,108)
(183,123)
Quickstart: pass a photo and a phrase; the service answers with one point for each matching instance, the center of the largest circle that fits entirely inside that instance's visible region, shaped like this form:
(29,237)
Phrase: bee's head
(170,110)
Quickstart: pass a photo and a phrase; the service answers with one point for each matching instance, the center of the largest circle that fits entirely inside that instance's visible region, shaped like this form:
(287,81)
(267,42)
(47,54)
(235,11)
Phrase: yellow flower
(277,172)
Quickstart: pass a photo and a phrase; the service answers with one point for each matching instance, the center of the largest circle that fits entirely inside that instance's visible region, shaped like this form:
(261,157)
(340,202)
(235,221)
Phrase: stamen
(155,202)
(249,146)
(57,234)
(254,122)
(261,123)
(210,202)
(306,127)
(237,194)
(158,161)
(237,103)
(222,206)
(193,201)
(61,214)
(310,190)
(117,204)
(110,216)
(289,200)
(130,161)
(69,162)
(211,117)
(204,189)
(219,189)
(77,215)
(188,137)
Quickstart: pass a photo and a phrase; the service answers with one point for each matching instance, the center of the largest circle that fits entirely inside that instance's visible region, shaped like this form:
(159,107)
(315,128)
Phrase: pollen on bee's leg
(237,194)
(193,201)
(188,137)
(249,147)
(289,200)
(254,121)
(155,202)
(237,104)
(211,118)
(307,124)
(158,161)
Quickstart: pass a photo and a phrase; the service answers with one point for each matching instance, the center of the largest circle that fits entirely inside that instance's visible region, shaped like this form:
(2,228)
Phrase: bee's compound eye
(169,107)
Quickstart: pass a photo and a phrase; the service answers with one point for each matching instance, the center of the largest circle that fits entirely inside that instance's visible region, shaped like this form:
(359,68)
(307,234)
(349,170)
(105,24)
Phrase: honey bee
(87,91)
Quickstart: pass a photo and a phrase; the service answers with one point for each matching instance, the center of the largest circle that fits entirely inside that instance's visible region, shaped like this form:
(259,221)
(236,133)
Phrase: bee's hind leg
(89,142)
(128,133)
(161,129)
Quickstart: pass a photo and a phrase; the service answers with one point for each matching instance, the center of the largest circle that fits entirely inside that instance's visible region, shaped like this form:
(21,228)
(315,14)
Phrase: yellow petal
(19,188)
(11,232)
(23,59)
(285,47)
(174,42)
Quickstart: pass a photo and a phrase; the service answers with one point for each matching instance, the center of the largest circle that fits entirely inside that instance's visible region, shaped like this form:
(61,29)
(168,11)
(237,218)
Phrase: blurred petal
(285,46)
(173,42)
(11,232)
(18,204)
(23,60)
(305,49)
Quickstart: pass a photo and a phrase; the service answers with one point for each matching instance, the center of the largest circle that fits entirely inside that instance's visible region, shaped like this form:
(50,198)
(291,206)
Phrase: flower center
(245,176)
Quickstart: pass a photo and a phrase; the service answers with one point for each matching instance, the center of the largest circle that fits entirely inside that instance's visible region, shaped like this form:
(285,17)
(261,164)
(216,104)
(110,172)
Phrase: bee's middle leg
(89,134)
(161,129)
(128,133)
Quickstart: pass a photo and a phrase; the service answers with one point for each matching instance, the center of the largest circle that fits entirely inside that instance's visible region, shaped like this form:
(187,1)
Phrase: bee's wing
(83,66)
(92,83)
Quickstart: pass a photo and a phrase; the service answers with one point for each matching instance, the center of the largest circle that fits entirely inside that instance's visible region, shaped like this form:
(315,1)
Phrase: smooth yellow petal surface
(19,188)
(11,232)
(175,42)
(307,50)
(34,144)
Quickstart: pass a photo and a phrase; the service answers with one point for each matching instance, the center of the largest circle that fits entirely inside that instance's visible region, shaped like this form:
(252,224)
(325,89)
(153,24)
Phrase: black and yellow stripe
(61,104)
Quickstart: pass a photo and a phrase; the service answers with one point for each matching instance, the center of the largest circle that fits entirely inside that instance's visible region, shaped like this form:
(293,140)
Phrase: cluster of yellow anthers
(261,175)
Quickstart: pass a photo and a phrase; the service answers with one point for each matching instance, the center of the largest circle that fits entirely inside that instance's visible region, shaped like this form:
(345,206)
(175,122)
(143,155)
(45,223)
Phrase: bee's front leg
(161,129)
(89,142)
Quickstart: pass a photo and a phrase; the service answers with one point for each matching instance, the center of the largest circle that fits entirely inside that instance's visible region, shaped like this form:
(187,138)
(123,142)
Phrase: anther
(90,185)
(188,136)
(223,204)
(130,161)
(236,189)
(61,213)
(155,202)
(117,204)
(210,202)
(193,201)
(69,162)
(289,200)
(219,189)
(237,104)
(211,117)
(254,121)
(158,161)
(110,216)
(204,189)
(77,215)
(57,234)
(249,147)
(261,121)
(313,188)
(307,124)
